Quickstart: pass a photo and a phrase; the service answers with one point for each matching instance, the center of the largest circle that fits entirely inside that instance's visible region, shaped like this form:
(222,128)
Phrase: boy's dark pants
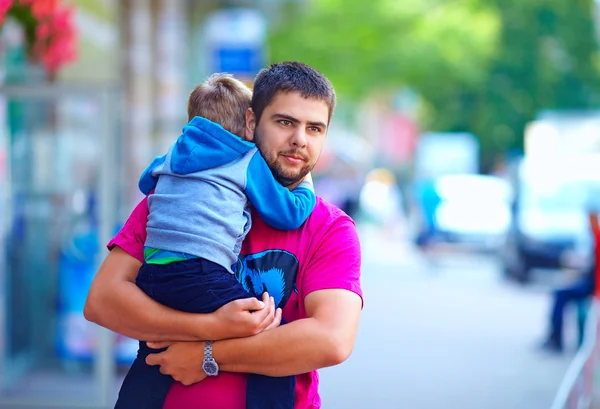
(197,286)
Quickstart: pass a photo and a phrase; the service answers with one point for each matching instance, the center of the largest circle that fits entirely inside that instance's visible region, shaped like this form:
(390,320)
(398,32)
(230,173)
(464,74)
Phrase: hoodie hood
(205,144)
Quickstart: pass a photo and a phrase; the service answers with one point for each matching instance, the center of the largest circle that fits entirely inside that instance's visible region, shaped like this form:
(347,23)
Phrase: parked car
(550,227)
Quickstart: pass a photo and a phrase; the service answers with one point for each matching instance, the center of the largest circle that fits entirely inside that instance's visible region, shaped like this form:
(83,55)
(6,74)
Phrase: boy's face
(290,135)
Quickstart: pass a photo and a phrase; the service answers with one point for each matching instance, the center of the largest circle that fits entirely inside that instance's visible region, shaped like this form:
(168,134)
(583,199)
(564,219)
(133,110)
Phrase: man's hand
(182,361)
(246,317)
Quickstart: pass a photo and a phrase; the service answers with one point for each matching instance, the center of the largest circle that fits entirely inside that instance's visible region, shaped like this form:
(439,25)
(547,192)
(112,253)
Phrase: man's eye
(285,122)
(315,129)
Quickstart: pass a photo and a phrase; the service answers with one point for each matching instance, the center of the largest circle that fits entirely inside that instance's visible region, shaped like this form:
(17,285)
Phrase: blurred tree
(382,44)
(546,60)
(483,67)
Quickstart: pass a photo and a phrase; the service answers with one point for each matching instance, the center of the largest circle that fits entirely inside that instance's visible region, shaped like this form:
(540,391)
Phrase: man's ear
(250,125)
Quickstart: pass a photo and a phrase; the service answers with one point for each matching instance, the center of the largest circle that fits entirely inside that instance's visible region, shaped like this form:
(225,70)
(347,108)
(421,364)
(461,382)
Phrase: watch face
(210,368)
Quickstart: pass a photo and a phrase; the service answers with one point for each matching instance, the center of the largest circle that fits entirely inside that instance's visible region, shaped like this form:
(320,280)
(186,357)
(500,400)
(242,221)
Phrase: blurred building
(71,152)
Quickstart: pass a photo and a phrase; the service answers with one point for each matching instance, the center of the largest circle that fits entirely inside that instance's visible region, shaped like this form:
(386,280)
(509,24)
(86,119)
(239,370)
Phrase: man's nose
(299,138)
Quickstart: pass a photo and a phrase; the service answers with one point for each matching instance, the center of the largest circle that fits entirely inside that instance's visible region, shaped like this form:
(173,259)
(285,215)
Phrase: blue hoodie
(202,190)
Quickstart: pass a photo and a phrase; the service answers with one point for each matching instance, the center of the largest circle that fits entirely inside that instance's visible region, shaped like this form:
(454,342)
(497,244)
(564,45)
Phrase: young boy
(199,216)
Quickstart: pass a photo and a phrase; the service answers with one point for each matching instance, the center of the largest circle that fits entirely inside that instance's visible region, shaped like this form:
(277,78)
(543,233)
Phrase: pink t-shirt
(324,253)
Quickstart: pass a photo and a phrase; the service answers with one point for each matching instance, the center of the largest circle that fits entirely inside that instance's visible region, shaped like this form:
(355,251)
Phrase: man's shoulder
(325,220)
(326,214)
(330,210)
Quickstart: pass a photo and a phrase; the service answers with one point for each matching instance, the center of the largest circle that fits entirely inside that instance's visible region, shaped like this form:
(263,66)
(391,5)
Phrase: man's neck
(294,185)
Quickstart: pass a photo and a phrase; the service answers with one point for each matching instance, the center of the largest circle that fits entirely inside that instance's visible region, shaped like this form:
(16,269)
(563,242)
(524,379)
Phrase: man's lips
(295,159)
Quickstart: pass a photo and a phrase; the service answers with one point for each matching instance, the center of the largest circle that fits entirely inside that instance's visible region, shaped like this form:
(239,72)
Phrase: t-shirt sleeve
(132,235)
(337,262)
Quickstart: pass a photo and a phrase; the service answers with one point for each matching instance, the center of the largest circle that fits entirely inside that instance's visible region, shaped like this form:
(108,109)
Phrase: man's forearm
(131,313)
(298,347)
(116,303)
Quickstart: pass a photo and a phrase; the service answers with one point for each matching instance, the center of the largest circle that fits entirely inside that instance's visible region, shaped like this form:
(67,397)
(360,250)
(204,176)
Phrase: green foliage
(24,16)
(369,46)
(481,66)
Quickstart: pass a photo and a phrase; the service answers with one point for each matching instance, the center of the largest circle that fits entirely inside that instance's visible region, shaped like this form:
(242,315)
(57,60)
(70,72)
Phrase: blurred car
(550,226)
(471,210)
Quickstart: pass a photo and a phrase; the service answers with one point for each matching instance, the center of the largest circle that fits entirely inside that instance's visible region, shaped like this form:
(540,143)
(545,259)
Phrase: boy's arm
(278,206)
(148,181)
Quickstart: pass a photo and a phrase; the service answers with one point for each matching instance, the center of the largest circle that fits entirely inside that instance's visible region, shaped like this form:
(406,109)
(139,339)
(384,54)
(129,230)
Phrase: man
(313,273)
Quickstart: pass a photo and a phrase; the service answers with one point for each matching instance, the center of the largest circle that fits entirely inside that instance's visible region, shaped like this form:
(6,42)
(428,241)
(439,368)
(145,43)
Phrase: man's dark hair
(290,76)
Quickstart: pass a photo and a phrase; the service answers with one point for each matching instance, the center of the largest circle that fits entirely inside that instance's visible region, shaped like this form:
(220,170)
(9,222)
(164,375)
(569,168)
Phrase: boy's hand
(244,318)
(277,321)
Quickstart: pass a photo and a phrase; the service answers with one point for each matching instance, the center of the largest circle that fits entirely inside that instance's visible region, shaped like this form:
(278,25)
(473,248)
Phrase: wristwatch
(209,364)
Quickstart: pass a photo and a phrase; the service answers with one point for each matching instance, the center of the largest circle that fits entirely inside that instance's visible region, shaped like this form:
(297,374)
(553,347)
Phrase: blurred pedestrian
(579,291)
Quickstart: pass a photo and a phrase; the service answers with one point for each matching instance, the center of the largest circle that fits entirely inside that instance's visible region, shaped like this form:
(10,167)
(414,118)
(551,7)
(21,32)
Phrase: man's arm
(115,302)
(332,302)
(325,338)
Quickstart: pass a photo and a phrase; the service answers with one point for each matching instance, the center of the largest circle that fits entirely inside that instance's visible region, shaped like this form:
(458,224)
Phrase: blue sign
(239,61)
(235,42)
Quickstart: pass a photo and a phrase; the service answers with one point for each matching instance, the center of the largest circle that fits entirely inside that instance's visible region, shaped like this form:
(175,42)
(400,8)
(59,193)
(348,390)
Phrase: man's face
(290,135)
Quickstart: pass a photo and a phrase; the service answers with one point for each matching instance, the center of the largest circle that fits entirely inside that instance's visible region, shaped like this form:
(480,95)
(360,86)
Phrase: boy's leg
(144,387)
(267,392)
(192,286)
(196,286)
(200,286)
(206,293)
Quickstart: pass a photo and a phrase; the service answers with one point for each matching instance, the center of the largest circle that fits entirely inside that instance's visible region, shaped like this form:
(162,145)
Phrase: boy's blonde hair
(221,99)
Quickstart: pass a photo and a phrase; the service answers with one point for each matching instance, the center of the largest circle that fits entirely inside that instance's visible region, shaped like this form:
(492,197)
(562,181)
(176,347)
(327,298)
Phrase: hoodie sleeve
(148,180)
(277,206)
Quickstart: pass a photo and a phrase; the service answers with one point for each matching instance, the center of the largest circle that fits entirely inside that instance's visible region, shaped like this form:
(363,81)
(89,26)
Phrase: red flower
(41,8)
(55,34)
(4,6)
(55,42)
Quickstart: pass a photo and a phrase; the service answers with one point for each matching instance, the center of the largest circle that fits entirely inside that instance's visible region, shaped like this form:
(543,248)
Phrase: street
(444,333)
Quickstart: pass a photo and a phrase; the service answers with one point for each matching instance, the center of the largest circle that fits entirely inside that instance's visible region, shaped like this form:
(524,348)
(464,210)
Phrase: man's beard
(278,171)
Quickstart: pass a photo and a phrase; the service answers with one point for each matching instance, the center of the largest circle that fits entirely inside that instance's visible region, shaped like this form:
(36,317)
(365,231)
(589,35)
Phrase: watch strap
(208,354)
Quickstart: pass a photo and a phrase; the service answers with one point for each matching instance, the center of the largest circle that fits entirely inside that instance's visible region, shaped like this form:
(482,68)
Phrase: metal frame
(575,391)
